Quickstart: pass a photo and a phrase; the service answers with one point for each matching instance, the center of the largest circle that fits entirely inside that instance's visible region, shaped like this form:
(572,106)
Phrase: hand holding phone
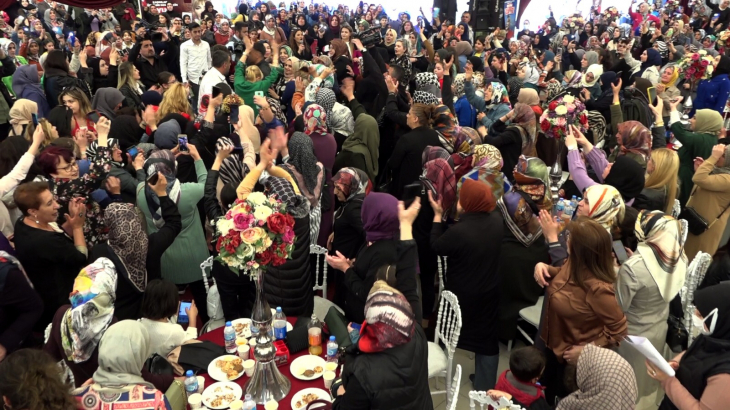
(620,252)
(182,315)
(182,141)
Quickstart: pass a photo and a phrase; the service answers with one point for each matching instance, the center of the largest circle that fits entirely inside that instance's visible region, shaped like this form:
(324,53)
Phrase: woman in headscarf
(486,167)
(137,256)
(634,141)
(713,93)
(338,117)
(464,111)
(625,174)
(181,261)
(531,176)
(710,199)
(123,350)
(472,272)
(646,283)
(703,370)
(27,85)
(360,150)
(530,75)
(602,103)
(491,107)
(379,215)
(697,141)
(77,328)
(590,80)
(106,101)
(309,174)
(596,366)
(514,86)
(515,139)
(21,116)
(348,236)
(666,88)
(102,74)
(573,83)
(30,50)
(651,61)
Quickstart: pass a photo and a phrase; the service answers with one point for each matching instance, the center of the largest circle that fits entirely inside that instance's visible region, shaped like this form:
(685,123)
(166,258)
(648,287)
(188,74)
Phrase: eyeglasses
(70,166)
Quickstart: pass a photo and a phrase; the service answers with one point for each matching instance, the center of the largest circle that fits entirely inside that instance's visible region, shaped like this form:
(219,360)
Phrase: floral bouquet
(561,113)
(611,12)
(696,66)
(229,101)
(255,233)
(722,39)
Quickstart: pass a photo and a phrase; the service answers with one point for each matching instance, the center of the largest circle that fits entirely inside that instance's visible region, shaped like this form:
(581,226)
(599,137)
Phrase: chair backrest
(205,267)
(448,323)
(319,253)
(442,265)
(685,228)
(483,399)
(455,384)
(676,208)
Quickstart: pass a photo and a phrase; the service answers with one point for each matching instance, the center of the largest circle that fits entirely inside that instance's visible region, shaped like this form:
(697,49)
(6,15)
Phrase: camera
(370,36)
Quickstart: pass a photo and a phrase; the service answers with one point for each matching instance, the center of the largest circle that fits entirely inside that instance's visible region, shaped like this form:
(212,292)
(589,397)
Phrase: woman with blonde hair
(77,100)
(389,41)
(662,182)
(130,86)
(174,101)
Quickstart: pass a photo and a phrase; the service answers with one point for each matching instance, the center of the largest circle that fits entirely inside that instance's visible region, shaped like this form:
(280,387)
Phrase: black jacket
(651,199)
(56,81)
(148,72)
(131,98)
(406,162)
(509,142)
(372,91)
(20,307)
(359,279)
(128,298)
(396,378)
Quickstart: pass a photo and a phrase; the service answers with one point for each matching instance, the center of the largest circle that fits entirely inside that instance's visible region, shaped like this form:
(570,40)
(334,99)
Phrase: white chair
(531,315)
(318,253)
(676,209)
(448,329)
(214,305)
(685,229)
(442,265)
(483,399)
(455,385)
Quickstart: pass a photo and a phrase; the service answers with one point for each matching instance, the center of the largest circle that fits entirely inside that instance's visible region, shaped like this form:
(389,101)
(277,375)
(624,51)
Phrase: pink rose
(288,236)
(690,71)
(242,221)
(695,57)
(705,63)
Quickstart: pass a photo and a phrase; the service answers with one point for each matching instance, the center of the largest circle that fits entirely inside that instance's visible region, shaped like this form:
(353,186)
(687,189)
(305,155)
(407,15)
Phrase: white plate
(210,394)
(323,395)
(217,374)
(305,362)
(246,331)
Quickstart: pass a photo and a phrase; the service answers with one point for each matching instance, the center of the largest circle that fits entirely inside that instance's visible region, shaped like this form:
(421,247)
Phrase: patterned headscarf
(389,319)
(352,182)
(634,137)
(433,152)
(458,85)
(92,309)
(444,124)
(499,94)
(487,168)
(466,139)
(533,178)
(326,99)
(440,176)
(301,155)
(423,97)
(526,120)
(315,119)
(515,85)
(662,48)
(605,381)
(605,206)
(553,90)
(425,79)
(520,219)
(573,79)
(296,205)
(129,241)
(661,245)
(163,161)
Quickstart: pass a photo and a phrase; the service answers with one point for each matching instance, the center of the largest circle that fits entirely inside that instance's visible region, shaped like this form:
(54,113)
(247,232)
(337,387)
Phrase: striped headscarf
(605,205)
(661,245)
(634,137)
(439,175)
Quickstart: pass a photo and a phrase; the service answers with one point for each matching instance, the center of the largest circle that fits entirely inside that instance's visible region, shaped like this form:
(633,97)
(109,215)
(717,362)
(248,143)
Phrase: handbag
(677,336)
(176,396)
(159,365)
(696,223)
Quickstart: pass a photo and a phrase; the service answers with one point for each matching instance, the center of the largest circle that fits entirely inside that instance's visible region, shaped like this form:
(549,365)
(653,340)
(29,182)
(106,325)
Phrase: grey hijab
(123,350)
(105,101)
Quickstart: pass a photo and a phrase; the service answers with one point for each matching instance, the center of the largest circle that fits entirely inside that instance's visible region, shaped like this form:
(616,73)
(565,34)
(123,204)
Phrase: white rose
(256,198)
(703,52)
(568,99)
(561,110)
(262,212)
(224,225)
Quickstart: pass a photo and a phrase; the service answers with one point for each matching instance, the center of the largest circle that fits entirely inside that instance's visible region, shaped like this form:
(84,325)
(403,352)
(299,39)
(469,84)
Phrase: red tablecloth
(216,336)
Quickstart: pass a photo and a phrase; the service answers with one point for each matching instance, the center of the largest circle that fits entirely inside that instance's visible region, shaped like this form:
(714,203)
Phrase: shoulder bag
(696,223)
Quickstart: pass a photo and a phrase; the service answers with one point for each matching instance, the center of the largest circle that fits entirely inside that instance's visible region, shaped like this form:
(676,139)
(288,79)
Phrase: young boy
(525,368)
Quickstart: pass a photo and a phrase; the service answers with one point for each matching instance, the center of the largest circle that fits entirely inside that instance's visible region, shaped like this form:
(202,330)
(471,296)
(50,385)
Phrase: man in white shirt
(221,67)
(195,60)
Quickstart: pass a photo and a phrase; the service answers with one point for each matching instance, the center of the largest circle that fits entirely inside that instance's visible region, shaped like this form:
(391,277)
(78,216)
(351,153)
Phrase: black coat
(509,142)
(651,199)
(56,81)
(131,98)
(359,279)
(396,378)
(406,162)
(473,248)
(20,307)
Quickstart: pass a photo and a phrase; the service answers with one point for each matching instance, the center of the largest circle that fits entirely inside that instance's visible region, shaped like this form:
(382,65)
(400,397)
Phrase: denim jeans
(485,372)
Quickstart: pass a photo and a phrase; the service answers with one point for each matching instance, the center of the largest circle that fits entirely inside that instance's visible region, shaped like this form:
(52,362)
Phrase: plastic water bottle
(560,207)
(568,213)
(279,324)
(574,202)
(191,383)
(332,350)
(229,335)
(248,403)
(314,331)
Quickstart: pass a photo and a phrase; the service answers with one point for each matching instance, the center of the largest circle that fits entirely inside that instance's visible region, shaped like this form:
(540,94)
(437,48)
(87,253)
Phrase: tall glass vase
(267,383)
(556,174)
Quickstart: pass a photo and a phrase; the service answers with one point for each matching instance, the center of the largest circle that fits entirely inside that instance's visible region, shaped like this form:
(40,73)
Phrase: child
(525,368)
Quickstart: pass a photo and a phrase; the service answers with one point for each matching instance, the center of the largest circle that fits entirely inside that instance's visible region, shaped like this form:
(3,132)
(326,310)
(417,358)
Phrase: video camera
(370,36)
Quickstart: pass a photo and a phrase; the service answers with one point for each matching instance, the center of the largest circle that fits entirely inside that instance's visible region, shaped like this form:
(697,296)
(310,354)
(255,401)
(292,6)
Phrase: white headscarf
(123,350)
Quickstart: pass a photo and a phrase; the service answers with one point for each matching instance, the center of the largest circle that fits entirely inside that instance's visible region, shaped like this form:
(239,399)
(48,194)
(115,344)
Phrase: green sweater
(693,145)
(181,261)
(246,89)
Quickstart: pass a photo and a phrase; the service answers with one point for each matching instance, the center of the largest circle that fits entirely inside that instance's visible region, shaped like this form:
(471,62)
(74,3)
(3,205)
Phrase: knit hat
(389,319)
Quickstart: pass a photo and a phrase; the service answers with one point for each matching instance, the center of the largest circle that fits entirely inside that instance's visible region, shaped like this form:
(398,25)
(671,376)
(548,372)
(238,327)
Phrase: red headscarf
(476,197)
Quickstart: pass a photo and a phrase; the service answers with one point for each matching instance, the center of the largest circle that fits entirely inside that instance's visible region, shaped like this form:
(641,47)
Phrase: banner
(510,16)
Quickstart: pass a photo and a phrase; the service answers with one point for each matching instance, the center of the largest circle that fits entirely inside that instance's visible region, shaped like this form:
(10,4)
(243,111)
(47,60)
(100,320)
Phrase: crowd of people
(401,145)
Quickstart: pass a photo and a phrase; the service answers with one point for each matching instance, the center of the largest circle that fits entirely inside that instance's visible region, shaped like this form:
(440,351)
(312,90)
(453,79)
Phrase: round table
(216,336)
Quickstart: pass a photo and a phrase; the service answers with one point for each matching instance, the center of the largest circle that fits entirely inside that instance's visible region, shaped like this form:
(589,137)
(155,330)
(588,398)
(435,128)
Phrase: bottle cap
(248,397)
(189,373)
(332,338)
(278,309)
(228,323)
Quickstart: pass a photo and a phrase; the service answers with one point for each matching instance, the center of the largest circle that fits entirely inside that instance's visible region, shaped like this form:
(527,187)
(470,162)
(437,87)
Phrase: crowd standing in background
(125,134)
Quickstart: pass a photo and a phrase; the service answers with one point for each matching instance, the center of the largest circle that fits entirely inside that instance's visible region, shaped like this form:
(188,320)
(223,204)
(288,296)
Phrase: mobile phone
(133,152)
(234,114)
(152,179)
(356,326)
(71,39)
(182,315)
(182,141)
(216,92)
(94,116)
(410,192)
(34,116)
(716,16)
(620,252)
(652,94)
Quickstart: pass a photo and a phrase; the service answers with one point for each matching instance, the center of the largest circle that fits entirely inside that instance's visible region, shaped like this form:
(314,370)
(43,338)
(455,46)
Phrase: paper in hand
(644,346)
